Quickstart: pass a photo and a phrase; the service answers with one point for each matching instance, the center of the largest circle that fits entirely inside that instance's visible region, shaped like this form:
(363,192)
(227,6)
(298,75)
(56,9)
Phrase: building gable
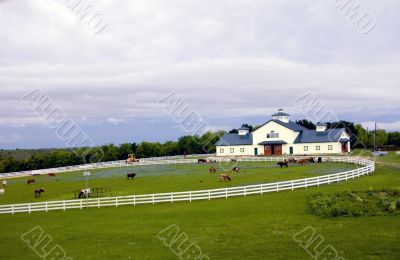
(274,131)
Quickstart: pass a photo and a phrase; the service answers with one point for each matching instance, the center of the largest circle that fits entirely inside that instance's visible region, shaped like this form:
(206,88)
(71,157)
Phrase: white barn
(280,136)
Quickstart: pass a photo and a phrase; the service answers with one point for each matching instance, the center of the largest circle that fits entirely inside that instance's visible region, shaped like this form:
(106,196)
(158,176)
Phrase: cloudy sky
(231,61)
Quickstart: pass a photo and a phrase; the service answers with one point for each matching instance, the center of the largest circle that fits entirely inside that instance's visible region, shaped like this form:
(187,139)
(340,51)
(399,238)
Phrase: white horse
(84,193)
(2,191)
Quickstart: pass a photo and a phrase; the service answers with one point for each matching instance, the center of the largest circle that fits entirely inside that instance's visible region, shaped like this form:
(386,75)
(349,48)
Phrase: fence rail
(368,167)
(93,166)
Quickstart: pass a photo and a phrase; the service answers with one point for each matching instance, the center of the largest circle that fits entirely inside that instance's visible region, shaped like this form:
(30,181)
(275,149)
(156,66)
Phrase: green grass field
(255,227)
(158,179)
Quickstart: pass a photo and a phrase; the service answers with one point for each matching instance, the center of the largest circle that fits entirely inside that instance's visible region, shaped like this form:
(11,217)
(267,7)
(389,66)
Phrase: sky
(229,61)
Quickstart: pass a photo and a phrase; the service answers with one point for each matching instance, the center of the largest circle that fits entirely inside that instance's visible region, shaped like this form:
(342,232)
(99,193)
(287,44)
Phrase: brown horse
(30,181)
(224,177)
(201,161)
(235,169)
(302,162)
(292,160)
(213,170)
(38,192)
(233,160)
(52,174)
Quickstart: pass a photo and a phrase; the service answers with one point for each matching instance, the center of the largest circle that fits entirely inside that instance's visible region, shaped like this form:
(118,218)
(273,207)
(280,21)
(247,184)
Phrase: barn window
(330,147)
(272,134)
(232,150)
(221,150)
(242,150)
(317,147)
(305,148)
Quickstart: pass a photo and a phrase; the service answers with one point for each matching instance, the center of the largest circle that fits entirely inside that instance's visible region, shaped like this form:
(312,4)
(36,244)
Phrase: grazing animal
(201,161)
(213,170)
(310,160)
(4,183)
(2,191)
(235,169)
(292,160)
(131,175)
(281,164)
(233,160)
(85,193)
(212,161)
(30,181)
(319,160)
(302,161)
(224,177)
(52,174)
(38,192)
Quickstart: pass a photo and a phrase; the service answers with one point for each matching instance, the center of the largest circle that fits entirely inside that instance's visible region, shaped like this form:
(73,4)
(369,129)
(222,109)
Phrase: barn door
(278,149)
(267,149)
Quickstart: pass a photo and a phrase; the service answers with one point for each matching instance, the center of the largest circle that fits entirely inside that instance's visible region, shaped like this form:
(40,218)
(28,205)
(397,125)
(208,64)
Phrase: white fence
(92,166)
(368,167)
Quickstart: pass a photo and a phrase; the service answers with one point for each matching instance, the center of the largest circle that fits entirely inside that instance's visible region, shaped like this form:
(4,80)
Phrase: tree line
(22,160)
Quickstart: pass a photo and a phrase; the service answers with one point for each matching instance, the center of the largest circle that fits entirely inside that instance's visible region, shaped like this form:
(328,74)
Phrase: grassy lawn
(255,227)
(157,179)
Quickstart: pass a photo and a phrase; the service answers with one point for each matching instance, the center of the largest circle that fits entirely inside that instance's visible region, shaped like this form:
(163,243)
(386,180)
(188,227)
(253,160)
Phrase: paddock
(172,176)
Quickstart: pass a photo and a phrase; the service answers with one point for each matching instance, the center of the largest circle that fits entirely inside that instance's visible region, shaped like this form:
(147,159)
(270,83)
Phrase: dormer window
(243,131)
(322,127)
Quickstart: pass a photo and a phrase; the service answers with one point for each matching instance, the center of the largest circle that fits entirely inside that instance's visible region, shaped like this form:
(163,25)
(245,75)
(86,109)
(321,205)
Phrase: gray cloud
(226,58)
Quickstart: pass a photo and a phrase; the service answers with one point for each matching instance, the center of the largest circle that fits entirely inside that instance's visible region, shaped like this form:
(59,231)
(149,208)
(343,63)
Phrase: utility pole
(375,138)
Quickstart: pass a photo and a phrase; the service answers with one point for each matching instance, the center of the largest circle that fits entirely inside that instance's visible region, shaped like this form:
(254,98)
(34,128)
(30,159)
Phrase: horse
(235,169)
(281,164)
(212,161)
(302,161)
(213,170)
(51,174)
(319,159)
(131,175)
(310,160)
(30,181)
(2,191)
(224,177)
(292,160)
(38,192)
(4,183)
(201,161)
(233,160)
(84,193)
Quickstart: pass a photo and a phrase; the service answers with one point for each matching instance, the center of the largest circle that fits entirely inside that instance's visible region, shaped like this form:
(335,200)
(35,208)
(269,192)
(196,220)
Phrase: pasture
(255,227)
(159,178)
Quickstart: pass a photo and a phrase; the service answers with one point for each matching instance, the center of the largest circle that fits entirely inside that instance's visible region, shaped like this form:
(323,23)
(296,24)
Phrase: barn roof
(235,139)
(312,136)
(291,125)
(280,114)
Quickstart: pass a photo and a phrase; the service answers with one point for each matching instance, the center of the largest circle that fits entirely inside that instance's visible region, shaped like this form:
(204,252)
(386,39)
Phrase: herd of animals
(285,163)
(85,193)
